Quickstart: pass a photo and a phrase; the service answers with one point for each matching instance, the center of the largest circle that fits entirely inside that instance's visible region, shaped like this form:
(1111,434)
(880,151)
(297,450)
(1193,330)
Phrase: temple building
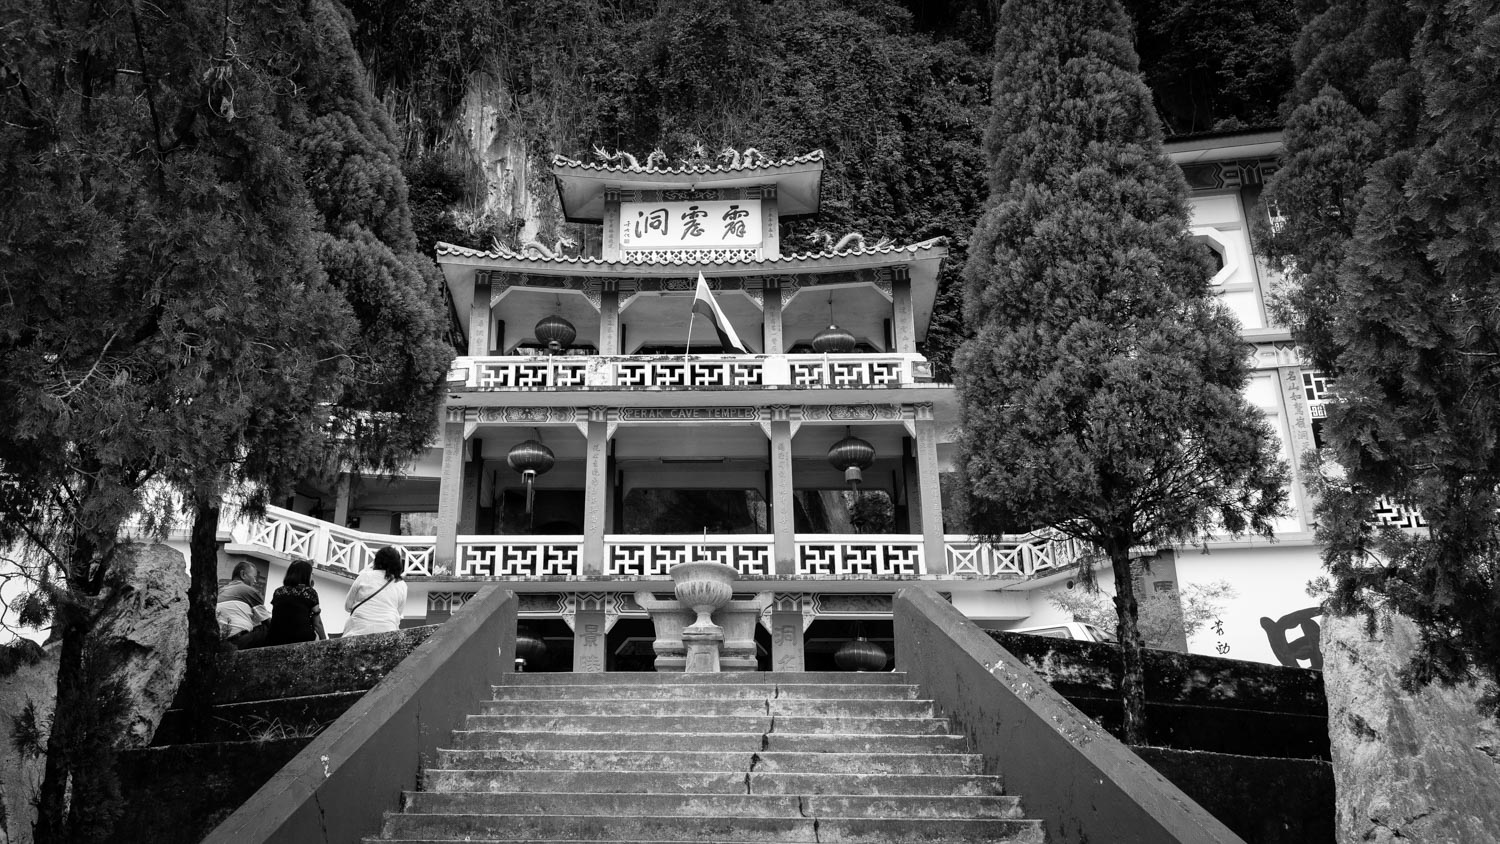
(691,390)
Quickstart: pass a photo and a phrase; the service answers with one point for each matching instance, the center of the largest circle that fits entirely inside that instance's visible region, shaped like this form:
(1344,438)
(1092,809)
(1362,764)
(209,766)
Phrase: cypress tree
(1101,389)
(1395,291)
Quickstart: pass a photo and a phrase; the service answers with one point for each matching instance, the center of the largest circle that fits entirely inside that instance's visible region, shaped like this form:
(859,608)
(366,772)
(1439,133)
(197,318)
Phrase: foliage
(1102,388)
(1395,291)
(1214,66)
(210,276)
(1161,613)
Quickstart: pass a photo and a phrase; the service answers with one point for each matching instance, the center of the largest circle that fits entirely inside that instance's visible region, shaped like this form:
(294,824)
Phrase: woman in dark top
(294,607)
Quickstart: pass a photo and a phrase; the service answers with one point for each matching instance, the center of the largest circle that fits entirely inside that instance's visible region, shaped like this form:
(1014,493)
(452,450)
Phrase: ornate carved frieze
(541,604)
(448,602)
(1219,175)
(689,414)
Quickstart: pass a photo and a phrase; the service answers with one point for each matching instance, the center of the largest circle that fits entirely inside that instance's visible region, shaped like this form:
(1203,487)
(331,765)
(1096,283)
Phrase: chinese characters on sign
(706,224)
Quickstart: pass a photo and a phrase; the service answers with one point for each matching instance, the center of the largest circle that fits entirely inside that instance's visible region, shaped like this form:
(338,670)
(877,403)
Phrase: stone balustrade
(293,535)
(665,372)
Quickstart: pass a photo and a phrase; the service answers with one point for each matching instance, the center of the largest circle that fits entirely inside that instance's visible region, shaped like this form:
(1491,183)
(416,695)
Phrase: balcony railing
(687,371)
(293,535)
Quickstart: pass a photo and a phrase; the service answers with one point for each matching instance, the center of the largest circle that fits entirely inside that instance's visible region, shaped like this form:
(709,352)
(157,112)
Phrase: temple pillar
(787,625)
(911,486)
(468,516)
(775,344)
(783,505)
(596,495)
(929,490)
(609,321)
(589,627)
(450,494)
(479,317)
(904,316)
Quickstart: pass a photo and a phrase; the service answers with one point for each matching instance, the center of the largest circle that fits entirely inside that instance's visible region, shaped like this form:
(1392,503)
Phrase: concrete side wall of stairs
(1078,779)
(332,790)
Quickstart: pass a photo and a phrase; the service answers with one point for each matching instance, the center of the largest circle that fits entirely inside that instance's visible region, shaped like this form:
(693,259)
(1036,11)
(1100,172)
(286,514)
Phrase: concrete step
(652,678)
(689,760)
(707,782)
(708,805)
(738,741)
(707,724)
(709,691)
(717,708)
(502,827)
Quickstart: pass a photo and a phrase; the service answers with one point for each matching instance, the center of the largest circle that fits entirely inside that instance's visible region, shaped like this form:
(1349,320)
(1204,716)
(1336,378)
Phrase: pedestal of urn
(703,587)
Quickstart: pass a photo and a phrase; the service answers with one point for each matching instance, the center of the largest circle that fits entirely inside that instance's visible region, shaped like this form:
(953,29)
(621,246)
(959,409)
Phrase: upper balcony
(687,372)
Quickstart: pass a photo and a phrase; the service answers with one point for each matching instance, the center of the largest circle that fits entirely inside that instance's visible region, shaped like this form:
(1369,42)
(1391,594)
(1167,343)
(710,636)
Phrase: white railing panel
(519,556)
(1017,556)
(684,372)
(294,535)
(850,370)
(835,556)
(654,556)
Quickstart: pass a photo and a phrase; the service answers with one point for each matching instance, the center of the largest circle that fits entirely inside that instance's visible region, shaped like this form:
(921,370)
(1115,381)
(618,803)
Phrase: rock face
(145,626)
(21,776)
(1407,767)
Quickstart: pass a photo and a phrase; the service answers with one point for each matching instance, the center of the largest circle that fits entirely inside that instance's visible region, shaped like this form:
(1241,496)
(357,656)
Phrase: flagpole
(692,315)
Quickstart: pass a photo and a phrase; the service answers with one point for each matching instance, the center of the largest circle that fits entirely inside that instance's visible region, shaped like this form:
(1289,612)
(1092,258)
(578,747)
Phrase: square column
(341,500)
(775,344)
(588,614)
(904,315)
(783,522)
(479,317)
(930,492)
(450,494)
(596,494)
(468,517)
(609,320)
(787,626)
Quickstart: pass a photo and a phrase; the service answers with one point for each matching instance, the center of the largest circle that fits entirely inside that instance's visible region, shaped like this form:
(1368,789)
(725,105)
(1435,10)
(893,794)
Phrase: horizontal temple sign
(732,223)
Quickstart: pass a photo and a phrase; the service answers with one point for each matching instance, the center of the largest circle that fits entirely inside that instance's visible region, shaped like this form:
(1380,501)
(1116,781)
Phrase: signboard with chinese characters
(708,224)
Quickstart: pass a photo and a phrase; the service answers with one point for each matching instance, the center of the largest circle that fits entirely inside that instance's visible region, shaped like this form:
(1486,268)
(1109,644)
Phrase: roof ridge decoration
(730,161)
(499,252)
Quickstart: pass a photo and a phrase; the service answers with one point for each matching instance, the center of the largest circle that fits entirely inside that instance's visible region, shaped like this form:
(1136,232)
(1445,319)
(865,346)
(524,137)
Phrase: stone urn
(703,587)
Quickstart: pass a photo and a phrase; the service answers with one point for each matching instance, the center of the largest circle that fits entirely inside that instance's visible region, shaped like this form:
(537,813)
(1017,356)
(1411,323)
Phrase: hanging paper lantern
(529,648)
(554,329)
(860,655)
(852,454)
(833,341)
(530,458)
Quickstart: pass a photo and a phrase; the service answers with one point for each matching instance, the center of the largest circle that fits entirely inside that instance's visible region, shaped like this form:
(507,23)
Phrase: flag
(703,303)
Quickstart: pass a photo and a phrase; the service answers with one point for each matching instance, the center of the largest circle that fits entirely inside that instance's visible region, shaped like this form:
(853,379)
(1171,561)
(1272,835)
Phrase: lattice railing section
(689,371)
(528,373)
(839,371)
(1020,556)
(293,535)
(667,373)
(890,556)
(530,556)
(655,557)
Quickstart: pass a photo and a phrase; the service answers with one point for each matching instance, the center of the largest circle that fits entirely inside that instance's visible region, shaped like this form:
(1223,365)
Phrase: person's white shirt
(381,613)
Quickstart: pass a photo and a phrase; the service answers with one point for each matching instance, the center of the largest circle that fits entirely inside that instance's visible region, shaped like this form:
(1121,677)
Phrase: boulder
(1406,767)
(145,626)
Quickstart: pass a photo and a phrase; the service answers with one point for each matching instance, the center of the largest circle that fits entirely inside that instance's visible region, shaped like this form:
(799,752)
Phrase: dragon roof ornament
(729,160)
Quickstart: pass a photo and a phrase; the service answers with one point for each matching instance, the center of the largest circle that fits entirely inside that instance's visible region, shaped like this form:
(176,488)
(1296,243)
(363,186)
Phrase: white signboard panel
(718,224)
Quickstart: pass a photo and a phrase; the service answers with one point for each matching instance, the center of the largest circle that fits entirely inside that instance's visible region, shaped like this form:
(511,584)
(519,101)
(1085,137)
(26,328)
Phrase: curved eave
(922,261)
(580,186)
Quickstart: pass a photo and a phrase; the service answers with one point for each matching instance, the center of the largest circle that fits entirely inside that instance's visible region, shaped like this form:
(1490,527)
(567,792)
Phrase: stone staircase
(736,757)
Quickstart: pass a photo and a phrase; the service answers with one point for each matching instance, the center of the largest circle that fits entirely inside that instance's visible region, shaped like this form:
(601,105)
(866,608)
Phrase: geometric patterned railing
(1017,556)
(837,556)
(669,372)
(519,556)
(294,535)
(290,534)
(654,556)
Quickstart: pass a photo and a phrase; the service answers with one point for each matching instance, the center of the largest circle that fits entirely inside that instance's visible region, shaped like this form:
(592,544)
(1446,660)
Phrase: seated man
(241,608)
